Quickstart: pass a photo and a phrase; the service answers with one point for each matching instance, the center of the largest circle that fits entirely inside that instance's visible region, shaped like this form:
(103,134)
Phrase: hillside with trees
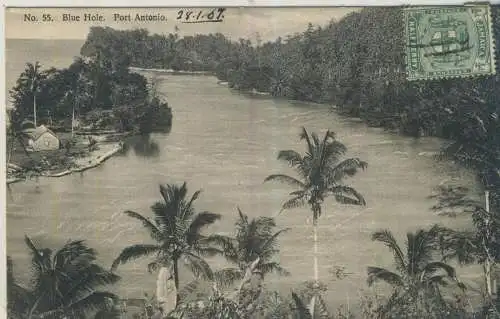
(96,86)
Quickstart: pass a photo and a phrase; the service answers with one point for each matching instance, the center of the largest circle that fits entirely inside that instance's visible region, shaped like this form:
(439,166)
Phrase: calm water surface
(226,144)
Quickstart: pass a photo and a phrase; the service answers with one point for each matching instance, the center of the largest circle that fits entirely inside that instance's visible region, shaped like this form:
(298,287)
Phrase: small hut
(42,139)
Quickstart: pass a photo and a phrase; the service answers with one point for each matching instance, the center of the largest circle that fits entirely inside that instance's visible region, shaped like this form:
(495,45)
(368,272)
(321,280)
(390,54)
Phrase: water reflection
(143,145)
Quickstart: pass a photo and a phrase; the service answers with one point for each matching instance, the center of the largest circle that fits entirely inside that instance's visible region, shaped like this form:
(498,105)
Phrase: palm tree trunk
(315,239)
(487,263)
(487,278)
(165,293)
(11,147)
(176,282)
(34,109)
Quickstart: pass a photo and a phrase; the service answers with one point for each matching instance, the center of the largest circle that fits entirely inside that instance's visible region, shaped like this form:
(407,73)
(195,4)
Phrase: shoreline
(170,71)
(81,164)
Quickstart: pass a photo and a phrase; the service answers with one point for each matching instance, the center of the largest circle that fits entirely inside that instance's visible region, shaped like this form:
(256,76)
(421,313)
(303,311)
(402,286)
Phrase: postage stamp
(446,42)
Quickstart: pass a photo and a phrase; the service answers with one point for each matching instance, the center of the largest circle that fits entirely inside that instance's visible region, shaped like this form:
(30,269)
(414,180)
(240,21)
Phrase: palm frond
(193,198)
(89,279)
(226,244)
(243,219)
(348,167)
(197,266)
(299,193)
(319,308)
(275,267)
(451,199)
(18,297)
(34,250)
(347,195)
(460,245)
(437,280)
(285,179)
(227,276)
(315,139)
(154,231)
(97,300)
(380,274)
(173,195)
(294,202)
(290,156)
(73,257)
(330,150)
(189,289)
(432,267)
(386,237)
(39,258)
(201,220)
(134,252)
(203,249)
(270,242)
(305,136)
(421,245)
(299,308)
(164,215)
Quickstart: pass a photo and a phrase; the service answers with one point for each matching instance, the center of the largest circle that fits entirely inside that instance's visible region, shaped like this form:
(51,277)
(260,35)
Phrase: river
(226,143)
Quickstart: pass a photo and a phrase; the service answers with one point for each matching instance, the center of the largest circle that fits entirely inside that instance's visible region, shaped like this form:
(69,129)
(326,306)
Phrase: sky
(237,23)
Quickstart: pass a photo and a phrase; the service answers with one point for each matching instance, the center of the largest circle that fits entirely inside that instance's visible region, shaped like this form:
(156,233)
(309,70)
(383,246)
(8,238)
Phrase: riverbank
(170,71)
(208,73)
(62,162)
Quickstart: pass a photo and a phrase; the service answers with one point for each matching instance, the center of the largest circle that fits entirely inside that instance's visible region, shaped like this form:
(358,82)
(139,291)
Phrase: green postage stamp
(444,42)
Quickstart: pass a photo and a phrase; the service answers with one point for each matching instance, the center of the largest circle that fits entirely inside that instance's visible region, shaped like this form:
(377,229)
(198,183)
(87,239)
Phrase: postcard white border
(147,3)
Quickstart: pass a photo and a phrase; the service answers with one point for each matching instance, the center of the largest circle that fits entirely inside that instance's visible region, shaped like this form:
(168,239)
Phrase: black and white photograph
(252,162)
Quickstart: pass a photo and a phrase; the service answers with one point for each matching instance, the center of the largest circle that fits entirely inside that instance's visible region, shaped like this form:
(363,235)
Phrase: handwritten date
(201,16)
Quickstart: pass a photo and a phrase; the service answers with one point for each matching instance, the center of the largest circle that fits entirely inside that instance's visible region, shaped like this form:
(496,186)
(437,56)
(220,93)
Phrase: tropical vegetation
(255,239)
(321,173)
(91,85)
(176,229)
(64,284)
(422,281)
(419,275)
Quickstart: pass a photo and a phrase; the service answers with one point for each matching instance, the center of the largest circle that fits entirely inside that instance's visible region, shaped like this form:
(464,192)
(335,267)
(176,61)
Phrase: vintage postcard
(250,162)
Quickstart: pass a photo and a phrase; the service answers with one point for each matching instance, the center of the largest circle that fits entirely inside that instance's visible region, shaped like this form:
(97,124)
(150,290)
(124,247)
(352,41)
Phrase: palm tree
(15,133)
(254,239)
(17,295)
(243,303)
(32,75)
(176,229)
(479,245)
(316,309)
(416,270)
(65,283)
(80,90)
(320,175)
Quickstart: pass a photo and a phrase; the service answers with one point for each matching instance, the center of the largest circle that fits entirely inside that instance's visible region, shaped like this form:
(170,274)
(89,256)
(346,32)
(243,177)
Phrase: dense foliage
(362,75)
(64,284)
(176,229)
(91,84)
